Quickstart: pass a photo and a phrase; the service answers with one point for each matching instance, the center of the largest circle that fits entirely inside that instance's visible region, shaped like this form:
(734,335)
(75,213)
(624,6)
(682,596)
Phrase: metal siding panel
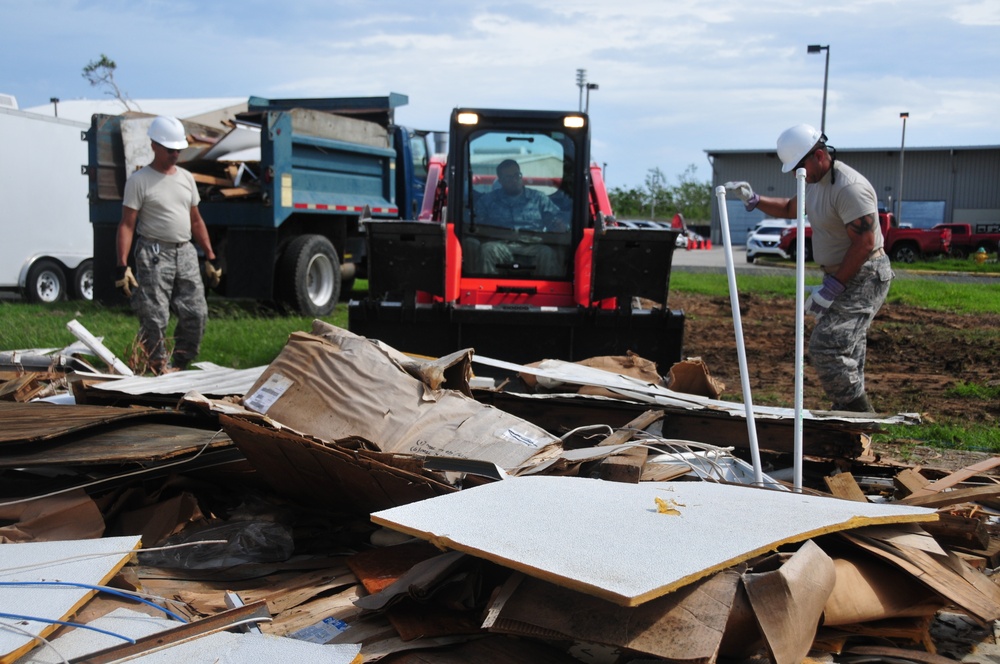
(964,178)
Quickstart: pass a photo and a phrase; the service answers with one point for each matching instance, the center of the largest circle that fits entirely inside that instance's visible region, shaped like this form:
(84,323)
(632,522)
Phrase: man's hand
(125,281)
(212,274)
(745,192)
(821,299)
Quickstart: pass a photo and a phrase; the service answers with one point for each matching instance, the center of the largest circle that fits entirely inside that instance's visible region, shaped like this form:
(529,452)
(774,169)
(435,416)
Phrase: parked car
(765,238)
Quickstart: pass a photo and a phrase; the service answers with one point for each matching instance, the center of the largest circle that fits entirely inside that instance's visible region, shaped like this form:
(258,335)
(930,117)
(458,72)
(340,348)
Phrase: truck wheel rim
(320,280)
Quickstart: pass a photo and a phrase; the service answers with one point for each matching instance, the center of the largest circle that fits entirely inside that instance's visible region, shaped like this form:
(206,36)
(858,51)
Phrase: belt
(832,269)
(164,245)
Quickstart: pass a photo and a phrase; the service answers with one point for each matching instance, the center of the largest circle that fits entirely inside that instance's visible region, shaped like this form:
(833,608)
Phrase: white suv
(765,238)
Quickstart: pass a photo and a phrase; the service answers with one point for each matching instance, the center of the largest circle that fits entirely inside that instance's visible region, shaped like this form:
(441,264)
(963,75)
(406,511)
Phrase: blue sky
(675,78)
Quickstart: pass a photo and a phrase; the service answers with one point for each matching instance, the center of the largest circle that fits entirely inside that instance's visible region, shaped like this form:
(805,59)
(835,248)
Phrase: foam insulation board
(209,649)
(93,562)
(628,543)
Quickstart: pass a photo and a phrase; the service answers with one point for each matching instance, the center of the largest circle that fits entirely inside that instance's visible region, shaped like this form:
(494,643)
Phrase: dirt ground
(915,357)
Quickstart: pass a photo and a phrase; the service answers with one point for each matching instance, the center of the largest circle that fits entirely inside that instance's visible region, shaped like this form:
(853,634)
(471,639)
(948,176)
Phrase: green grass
(945,296)
(967,437)
(239,334)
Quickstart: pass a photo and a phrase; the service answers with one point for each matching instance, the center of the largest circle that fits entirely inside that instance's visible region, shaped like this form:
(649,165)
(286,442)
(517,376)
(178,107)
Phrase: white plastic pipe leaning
(94,344)
(734,301)
(800,314)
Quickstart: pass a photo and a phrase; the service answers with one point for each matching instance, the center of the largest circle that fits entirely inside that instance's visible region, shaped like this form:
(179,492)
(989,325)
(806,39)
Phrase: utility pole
(581,82)
(816,48)
(899,194)
(590,86)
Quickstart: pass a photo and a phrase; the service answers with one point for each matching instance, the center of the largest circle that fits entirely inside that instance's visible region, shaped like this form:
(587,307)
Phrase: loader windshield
(517,221)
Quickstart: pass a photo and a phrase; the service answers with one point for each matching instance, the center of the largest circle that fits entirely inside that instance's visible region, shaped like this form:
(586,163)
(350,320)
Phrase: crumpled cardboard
(333,384)
(691,376)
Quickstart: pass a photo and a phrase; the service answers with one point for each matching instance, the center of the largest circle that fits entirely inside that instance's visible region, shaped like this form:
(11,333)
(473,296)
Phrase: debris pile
(348,503)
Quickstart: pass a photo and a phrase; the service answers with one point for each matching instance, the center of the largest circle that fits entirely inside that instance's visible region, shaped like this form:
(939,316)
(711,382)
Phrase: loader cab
(518,195)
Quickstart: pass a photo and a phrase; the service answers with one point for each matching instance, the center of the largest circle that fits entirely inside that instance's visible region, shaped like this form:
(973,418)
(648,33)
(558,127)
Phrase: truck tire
(905,252)
(309,275)
(958,253)
(809,251)
(83,281)
(46,282)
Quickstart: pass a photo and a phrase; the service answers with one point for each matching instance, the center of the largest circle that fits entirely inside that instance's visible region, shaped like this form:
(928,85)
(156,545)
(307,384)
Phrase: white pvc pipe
(734,301)
(800,314)
(99,349)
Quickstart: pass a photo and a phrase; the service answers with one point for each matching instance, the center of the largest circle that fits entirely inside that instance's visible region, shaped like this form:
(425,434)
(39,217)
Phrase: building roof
(895,148)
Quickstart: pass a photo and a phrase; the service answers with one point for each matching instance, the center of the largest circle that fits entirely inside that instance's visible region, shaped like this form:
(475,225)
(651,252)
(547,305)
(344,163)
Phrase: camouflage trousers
(169,281)
(839,342)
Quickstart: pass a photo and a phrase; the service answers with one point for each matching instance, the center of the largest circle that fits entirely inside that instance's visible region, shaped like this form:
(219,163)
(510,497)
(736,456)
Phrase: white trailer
(47,246)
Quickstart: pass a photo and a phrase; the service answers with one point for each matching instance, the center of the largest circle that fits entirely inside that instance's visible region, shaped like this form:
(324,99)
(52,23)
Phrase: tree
(659,195)
(101,73)
(627,202)
(692,199)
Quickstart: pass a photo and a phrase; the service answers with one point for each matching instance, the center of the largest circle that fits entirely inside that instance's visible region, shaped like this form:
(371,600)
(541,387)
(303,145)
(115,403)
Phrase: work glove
(212,274)
(125,281)
(821,299)
(745,192)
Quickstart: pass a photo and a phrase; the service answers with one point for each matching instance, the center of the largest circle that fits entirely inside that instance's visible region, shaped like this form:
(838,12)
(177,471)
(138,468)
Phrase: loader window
(519,205)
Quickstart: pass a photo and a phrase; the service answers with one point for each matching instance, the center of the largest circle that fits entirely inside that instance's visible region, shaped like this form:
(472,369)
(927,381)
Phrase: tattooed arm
(861,231)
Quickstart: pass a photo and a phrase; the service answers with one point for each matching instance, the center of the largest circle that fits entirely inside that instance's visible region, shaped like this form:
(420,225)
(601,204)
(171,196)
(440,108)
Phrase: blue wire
(15,616)
(106,589)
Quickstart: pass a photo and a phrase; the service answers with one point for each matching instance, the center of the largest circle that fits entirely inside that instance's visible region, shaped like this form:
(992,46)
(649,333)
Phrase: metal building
(948,184)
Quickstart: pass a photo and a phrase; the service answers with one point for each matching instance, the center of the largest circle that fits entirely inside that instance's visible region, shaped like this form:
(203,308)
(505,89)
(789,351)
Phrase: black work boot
(859,405)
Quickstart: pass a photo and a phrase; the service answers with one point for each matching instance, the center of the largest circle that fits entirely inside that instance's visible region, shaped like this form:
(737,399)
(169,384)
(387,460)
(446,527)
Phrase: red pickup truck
(904,245)
(967,239)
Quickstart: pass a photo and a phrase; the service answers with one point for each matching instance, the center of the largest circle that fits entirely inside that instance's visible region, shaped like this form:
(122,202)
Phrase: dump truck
(46,254)
(570,284)
(282,191)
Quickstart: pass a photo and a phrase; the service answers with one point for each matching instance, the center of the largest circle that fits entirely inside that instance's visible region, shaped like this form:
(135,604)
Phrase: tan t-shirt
(164,203)
(832,206)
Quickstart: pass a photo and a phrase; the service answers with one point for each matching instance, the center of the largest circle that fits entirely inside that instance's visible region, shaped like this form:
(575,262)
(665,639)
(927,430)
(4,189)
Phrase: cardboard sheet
(788,602)
(610,540)
(333,384)
(685,626)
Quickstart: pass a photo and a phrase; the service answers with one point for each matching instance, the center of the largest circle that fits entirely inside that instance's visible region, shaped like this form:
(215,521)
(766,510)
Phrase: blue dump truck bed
(283,216)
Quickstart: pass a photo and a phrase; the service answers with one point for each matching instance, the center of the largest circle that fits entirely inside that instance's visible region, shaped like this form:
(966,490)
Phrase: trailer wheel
(83,281)
(309,275)
(46,282)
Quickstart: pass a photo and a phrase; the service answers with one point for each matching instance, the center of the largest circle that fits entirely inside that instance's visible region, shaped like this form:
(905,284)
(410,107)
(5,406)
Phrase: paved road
(714,261)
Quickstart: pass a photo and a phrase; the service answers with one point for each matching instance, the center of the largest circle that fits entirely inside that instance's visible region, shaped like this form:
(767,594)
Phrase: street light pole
(581,82)
(899,193)
(816,48)
(590,86)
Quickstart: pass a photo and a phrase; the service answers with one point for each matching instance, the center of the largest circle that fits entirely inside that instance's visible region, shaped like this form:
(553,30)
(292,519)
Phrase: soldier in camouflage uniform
(160,217)
(848,245)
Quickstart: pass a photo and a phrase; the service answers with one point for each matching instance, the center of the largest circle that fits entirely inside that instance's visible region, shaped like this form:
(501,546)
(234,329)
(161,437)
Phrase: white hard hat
(168,132)
(795,143)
